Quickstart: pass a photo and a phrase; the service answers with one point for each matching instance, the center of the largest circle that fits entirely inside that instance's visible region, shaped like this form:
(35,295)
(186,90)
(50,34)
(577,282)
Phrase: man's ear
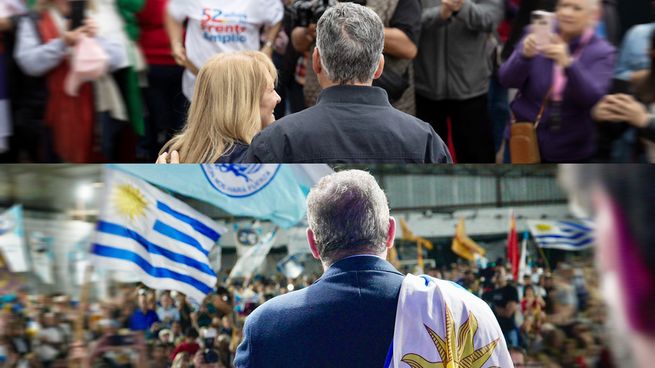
(391,234)
(379,70)
(312,244)
(316,61)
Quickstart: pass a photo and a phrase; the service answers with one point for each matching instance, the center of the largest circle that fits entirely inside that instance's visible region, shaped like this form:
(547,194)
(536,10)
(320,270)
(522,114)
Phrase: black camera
(308,12)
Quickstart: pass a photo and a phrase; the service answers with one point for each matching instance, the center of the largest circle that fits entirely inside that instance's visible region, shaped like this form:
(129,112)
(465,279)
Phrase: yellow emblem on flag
(129,201)
(544,228)
(457,349)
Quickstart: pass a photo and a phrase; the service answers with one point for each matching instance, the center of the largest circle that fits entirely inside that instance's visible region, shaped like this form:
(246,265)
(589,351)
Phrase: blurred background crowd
(468,67)
(550,319)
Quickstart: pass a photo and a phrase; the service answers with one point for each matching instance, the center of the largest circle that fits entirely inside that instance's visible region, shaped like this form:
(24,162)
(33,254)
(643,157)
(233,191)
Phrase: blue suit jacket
(345,319)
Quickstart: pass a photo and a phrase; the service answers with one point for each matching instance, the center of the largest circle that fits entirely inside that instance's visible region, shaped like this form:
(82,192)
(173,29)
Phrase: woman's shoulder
(236,153)
(601,46)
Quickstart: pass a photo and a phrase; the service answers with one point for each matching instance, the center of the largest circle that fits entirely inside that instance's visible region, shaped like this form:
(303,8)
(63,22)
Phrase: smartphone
(542,27)
(121,340)
(78,11)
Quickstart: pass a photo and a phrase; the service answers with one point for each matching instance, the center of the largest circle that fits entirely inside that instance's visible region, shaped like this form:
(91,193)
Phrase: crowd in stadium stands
(552,319)
(467,67)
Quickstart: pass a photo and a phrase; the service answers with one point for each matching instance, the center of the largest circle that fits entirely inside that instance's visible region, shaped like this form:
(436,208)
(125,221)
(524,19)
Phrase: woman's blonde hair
(225,108)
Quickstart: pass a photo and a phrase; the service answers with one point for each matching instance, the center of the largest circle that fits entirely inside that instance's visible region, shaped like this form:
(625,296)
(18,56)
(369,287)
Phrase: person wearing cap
(44,43)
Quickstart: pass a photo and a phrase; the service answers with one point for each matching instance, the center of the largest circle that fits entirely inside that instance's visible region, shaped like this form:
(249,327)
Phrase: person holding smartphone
(637,111)
(43,44)
(560,78)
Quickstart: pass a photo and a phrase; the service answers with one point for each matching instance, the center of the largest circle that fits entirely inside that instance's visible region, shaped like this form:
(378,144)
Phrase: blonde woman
(233,99)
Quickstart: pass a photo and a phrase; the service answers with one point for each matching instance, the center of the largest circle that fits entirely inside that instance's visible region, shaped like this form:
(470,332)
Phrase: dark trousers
(166,108)
(471,127)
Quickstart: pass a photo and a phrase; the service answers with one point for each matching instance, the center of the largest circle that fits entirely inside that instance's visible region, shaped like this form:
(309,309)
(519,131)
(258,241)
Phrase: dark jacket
(349,124)
(345,319)
(454,56)
(236,155)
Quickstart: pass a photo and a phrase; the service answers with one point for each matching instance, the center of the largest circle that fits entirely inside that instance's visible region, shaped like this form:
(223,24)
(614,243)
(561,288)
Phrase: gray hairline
(375,195)
(343,32)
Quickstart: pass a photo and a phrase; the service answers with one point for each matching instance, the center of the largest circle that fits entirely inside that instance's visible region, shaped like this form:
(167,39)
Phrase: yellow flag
(464,246)
(409,236)
(421,243)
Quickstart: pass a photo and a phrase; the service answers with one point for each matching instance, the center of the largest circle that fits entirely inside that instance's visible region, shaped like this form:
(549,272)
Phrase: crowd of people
(120,85)
(550,319)
(134,327)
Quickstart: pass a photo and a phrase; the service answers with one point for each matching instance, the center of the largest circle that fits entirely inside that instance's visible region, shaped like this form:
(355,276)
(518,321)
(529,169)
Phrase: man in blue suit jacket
(346,318)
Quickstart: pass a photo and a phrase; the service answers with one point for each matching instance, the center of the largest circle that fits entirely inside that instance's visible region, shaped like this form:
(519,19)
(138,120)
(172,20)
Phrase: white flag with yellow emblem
(565,235)
(441,324)
(157,237)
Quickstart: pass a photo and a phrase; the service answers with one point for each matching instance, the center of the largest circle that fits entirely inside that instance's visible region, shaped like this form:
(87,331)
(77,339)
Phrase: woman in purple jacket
(567,75)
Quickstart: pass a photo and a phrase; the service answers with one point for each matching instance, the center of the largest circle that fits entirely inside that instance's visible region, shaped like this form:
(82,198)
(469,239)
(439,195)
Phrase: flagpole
(80,355)
(543,255)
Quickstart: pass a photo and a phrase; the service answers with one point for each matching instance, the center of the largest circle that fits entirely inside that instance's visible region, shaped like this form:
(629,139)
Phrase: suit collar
(359,263)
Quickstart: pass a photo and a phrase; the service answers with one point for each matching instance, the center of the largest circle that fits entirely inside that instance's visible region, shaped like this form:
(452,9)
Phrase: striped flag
(159,238)
(565,235)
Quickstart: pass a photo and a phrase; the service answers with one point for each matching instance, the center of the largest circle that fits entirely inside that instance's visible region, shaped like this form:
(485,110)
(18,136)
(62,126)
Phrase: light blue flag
(155,236)
(264,191)
(12,239)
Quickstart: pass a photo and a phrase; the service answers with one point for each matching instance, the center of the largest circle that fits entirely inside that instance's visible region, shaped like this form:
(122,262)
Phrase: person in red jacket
(165,103)
(189,345)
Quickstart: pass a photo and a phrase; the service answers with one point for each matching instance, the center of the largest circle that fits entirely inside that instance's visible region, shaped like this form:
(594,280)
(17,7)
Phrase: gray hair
(350,40)
(349,214)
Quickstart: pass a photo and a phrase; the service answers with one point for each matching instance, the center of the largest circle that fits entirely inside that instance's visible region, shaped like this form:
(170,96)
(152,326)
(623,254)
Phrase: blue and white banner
(440,324)
(12,239)
(42,256)
(250,261)
(264,191)
(292,265)
(565,235)
(160,238)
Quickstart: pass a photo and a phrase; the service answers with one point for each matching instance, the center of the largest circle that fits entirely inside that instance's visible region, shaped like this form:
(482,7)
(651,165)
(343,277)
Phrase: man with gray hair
(352,121)
(346,318)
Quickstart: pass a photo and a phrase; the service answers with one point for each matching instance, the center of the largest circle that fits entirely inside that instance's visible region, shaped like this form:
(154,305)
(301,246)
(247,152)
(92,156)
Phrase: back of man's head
(350,39)
(348,214)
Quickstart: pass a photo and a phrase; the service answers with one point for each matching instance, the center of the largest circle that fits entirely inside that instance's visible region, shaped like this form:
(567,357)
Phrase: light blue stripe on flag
(195,224)
(567,237)
(158,272)
(114,229)
(576,225)
(176,234)
(565,242)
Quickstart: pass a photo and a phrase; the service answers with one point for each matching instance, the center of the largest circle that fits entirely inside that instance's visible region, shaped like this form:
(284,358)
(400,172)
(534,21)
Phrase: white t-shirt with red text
(216,26)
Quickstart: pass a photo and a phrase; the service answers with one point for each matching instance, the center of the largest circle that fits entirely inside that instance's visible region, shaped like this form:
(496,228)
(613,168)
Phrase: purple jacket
(589,79)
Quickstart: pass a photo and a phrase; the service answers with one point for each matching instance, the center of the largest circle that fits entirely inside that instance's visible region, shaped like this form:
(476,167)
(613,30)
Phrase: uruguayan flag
(440,324)
(566,235)
(264,191)
(159,238)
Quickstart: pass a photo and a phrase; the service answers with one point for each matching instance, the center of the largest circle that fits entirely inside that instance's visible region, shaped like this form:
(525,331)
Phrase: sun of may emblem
(129,201)
(454,352)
